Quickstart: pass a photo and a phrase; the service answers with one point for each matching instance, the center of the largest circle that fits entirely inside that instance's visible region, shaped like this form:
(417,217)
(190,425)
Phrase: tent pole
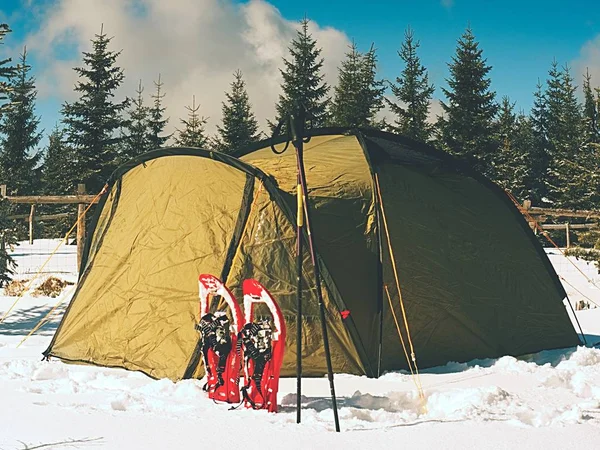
(380,288)
(577,320)
(298,141)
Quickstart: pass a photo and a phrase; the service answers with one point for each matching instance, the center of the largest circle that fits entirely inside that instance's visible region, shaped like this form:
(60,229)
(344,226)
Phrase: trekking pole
(299,231)
(299,226)
(296,129)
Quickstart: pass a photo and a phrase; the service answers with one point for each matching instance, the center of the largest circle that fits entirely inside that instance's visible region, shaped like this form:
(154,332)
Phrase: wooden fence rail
(52,199)
(557,212)
(572,226)
(41,217)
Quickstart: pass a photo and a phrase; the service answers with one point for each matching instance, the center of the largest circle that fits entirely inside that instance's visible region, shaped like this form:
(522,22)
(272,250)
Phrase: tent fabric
(474,280)
(469,288)
(141,285)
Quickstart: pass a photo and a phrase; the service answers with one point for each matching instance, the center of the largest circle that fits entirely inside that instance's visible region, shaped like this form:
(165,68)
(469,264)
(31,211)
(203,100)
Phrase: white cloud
(589,59)
(447,3)
(196,45)
(385,112)
(435,110)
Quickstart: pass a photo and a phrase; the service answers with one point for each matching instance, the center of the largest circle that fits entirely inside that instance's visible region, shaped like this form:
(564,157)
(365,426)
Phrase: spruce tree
(523,179)
(554,102)
(55,167)
(156,121)
(303,80)
(540,150)
(240,127)
(358,95)
(93,120)
(346,107)
(566,139)
(5,70)
(19,134)
(58,179)
(589,161)
(512,166)
(507,120)
(554,128)
(506,128)
(467,127)
(413,91)
(574,123)
(8,239)
(8,235)
(372,90)
(192,134)
(137,139)
(597,89)
(590,111)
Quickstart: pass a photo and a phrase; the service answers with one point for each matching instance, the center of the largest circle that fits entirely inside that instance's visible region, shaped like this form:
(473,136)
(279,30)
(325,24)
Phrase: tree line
(550,155)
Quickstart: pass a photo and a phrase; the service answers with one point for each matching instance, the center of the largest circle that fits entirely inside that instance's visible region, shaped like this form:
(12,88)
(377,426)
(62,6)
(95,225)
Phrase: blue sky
(519,39)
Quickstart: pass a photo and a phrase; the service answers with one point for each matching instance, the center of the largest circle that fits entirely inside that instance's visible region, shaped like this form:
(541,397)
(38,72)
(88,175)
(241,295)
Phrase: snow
(31,258)
(574,274)
(551,399)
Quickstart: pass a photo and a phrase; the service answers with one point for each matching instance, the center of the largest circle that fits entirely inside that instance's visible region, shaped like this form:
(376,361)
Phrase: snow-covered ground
(33,258)
(574,274)
(549,400)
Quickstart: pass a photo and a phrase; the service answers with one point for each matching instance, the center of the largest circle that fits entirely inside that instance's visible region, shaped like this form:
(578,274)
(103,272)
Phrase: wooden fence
(80,199)
(541,215)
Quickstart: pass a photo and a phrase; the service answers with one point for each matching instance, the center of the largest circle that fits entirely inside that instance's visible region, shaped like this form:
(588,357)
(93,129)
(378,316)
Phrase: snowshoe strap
(256,339)
(214,329)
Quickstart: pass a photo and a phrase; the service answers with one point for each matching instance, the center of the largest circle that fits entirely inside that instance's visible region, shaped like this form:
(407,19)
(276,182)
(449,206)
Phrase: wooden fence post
(3,190)
(526,206)
(31,214)
(568,235)
(80,225)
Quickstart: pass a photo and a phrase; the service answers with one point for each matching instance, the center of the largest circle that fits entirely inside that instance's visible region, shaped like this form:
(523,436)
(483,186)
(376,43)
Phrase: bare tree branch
(69,442)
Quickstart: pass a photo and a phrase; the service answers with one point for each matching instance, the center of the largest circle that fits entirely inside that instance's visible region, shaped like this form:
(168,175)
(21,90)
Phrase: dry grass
(51,287)
(15,288)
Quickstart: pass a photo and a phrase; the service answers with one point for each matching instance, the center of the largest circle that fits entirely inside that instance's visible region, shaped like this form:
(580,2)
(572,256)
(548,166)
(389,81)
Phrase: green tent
(474,281)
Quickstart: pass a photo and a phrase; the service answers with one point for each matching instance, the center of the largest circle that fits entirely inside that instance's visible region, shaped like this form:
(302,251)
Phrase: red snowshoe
(263,349)
(222,362)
